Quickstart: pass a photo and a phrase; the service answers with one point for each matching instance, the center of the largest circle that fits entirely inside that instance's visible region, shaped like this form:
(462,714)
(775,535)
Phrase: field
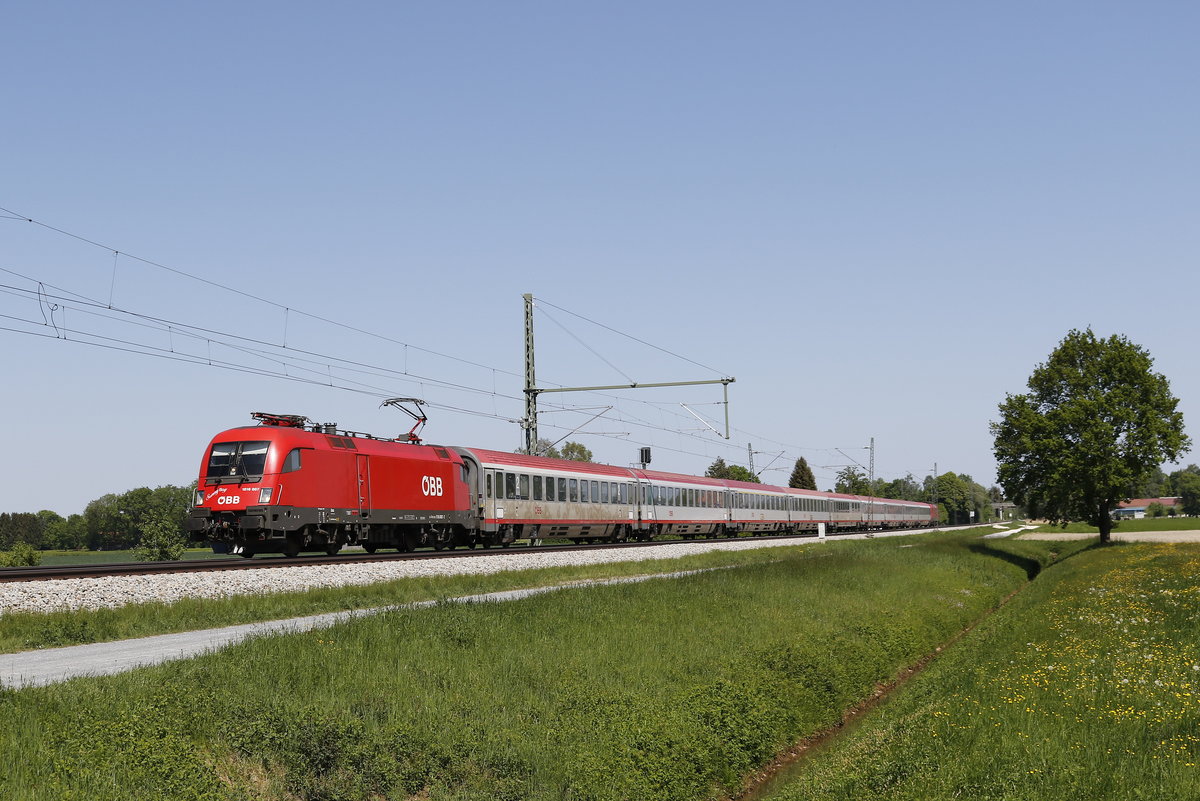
(1087,685)
(672,689)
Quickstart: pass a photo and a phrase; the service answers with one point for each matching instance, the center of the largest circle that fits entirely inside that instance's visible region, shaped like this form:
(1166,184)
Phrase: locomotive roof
(303,437)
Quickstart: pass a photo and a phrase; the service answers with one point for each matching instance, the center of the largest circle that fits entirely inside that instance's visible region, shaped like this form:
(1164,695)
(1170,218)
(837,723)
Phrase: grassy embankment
(1087,685)
(670,689)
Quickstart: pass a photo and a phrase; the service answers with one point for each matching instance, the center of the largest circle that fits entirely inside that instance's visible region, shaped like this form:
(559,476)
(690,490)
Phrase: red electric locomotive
(283,488)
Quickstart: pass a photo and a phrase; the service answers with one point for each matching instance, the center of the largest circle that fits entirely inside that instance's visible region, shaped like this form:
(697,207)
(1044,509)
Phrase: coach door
(363,471)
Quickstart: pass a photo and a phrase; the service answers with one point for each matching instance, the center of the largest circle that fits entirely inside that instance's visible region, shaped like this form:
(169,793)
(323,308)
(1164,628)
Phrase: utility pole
(750,452)
(871,485)
(935,500)
(529,422)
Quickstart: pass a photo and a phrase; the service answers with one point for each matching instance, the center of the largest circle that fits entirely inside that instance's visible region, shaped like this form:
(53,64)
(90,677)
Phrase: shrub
(22,554)
(161,539)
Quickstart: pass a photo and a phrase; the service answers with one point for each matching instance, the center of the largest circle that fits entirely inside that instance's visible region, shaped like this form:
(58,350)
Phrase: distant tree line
(960,498)
(572,451)
(111,522)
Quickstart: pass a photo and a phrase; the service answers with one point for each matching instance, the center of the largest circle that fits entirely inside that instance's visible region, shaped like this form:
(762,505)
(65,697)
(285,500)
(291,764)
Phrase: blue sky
(878,217)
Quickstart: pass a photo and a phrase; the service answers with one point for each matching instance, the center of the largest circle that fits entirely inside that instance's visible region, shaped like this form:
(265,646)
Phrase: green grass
(670,689)
(1087,685)
(110,557)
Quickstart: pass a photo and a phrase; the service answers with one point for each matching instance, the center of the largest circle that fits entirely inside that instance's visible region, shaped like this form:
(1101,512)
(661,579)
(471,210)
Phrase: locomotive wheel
(370,547)
(247,553)
(332,548)
(291,549)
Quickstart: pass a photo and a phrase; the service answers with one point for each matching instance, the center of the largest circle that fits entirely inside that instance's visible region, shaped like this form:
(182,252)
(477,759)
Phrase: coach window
(595,492)
(573,484)
(604,492)
(537,488)
(524,484)
(623,492)
(488,484)
(562,489)
(583,492)
(549,488)
(510,486)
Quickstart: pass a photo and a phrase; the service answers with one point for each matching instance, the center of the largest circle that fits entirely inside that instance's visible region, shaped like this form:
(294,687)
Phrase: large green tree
(1187,485)
(576,452)
(802,476)
(1097,420)
(733,472)
(852,481)
(544,447)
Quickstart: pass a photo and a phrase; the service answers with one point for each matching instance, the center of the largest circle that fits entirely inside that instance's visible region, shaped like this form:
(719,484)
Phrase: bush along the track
(1087,685)
(671,689)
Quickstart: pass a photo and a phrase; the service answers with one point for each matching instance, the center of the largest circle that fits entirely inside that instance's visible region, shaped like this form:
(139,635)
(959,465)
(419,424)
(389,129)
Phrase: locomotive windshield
(237,461)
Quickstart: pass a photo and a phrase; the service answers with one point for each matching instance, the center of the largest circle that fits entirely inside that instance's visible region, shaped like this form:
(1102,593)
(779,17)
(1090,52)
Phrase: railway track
(49,572)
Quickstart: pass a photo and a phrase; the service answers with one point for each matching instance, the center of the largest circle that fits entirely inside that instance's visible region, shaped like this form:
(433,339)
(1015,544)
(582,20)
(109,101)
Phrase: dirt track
(1120,536)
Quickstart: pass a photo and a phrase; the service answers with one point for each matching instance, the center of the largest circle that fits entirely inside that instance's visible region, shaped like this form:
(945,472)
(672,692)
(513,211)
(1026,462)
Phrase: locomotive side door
(363,474)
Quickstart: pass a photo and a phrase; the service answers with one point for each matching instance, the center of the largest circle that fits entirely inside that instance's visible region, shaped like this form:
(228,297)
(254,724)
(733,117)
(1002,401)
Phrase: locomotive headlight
(264,495)
(199,499)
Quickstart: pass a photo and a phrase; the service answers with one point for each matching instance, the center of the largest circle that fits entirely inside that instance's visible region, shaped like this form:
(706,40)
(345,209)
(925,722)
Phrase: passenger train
(287,486)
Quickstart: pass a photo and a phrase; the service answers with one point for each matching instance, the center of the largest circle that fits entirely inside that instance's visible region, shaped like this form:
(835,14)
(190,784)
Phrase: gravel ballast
(115,591)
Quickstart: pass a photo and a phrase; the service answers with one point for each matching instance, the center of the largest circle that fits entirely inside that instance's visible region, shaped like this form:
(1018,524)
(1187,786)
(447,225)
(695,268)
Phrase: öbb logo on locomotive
(349,488)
